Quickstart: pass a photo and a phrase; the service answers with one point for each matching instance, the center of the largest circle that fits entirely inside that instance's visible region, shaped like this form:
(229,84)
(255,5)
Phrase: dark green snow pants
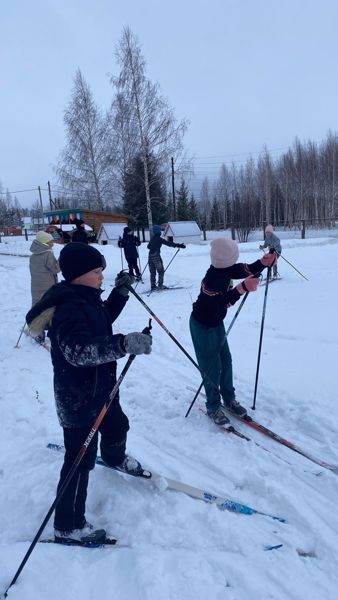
(214,359)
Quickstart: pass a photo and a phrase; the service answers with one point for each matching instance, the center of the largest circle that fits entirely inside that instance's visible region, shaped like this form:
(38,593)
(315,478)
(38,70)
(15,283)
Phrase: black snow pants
(70,511)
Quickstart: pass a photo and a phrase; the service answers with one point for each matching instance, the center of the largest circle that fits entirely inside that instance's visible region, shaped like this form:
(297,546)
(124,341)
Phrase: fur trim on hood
(41,322)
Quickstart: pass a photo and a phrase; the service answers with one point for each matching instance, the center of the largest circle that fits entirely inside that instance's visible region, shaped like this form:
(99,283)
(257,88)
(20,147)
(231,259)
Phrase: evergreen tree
(193,210)
(183,208)
(214,217)
(134,196)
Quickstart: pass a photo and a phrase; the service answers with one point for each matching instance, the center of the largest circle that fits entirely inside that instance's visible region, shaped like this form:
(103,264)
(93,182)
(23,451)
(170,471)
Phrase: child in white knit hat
(207,328)
(43,268)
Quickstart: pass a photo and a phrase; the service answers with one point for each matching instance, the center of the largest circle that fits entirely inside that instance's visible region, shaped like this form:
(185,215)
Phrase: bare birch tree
(85,166)
(146,122)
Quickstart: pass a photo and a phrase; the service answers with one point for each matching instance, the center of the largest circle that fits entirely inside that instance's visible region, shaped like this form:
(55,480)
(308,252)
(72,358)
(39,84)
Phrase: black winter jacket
(156,242)
(79,235)
(129,243)
(83,349)
(216,295)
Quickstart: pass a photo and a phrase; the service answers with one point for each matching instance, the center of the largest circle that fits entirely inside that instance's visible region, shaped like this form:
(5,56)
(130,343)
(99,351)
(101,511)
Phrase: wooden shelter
(92,218)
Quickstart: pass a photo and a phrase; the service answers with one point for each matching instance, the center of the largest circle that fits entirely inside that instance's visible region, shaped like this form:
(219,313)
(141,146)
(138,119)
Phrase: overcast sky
(246,73)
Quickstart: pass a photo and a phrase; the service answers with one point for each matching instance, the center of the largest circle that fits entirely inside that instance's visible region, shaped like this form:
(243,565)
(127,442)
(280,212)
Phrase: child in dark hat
(217,294)
(79,234)
(84,353)
(130,243)
(155,260)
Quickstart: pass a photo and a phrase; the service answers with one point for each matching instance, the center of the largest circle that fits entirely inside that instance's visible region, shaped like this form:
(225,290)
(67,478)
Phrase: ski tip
(280,519)
(275,547)
(146,474)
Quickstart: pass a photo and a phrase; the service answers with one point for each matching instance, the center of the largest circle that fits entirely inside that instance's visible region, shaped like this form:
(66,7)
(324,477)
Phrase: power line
(22,191)
(244,153)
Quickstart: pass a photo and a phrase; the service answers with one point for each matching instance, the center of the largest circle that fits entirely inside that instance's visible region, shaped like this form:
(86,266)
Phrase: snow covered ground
(177,547)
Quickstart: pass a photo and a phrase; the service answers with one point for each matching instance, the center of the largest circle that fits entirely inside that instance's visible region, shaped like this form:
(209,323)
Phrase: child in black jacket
(84,353)
(130,243)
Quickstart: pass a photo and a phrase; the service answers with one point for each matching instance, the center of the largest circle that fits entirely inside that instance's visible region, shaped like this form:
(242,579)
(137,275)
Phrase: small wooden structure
(182,232)
(109,233)
(93,218)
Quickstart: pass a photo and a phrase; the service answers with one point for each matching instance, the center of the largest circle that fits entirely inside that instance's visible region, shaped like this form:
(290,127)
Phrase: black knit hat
(77,259)
(127,229)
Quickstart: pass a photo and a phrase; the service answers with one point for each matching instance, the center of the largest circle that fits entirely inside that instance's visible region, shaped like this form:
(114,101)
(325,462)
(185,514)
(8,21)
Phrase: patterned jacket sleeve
(242,270)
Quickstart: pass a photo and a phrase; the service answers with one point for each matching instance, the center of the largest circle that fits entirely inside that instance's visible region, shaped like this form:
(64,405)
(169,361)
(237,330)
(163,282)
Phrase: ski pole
(141,275)
(237,313)
(169,263)
(261,334)
(151,312)
(291,265)
(19,338)
(221,346)
(76,463)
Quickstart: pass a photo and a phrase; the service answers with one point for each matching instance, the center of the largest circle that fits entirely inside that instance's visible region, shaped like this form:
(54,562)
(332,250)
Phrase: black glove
(121,282)
(181,246)
(138,343)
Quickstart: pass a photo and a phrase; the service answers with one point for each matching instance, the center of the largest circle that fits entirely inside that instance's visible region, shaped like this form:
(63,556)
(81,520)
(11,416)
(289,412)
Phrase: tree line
(301,184)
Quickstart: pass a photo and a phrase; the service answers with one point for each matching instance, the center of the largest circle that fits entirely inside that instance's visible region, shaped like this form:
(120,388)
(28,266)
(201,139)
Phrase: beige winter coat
(43,267)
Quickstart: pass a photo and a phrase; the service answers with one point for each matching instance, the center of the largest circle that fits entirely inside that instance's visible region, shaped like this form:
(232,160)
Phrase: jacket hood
(39,248)
(40,315)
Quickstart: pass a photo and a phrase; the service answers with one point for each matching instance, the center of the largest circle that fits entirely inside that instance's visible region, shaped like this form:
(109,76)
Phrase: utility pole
(173,187)
(50,196)
(40,195)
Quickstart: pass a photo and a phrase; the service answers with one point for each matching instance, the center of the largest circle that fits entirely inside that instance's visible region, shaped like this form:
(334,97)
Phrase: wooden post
(26,235)
(173,187)
(303,228)
(233,231)
(50,196)
(40,195)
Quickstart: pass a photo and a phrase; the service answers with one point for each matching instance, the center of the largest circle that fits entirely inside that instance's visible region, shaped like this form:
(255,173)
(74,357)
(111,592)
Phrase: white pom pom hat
(224,253)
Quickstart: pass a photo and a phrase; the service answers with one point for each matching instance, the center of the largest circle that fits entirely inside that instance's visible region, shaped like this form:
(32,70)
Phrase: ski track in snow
(178,547)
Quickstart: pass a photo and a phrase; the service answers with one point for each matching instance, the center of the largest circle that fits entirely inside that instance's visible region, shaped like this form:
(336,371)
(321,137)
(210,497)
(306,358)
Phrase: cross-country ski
(221,502)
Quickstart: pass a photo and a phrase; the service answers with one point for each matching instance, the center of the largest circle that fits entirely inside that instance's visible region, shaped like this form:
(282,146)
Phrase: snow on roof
(113,230)
(183,228)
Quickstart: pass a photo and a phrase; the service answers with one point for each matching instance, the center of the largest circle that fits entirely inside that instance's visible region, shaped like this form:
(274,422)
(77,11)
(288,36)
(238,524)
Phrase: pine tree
(193,210)
(214,217)
(183,209)
(134,196)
